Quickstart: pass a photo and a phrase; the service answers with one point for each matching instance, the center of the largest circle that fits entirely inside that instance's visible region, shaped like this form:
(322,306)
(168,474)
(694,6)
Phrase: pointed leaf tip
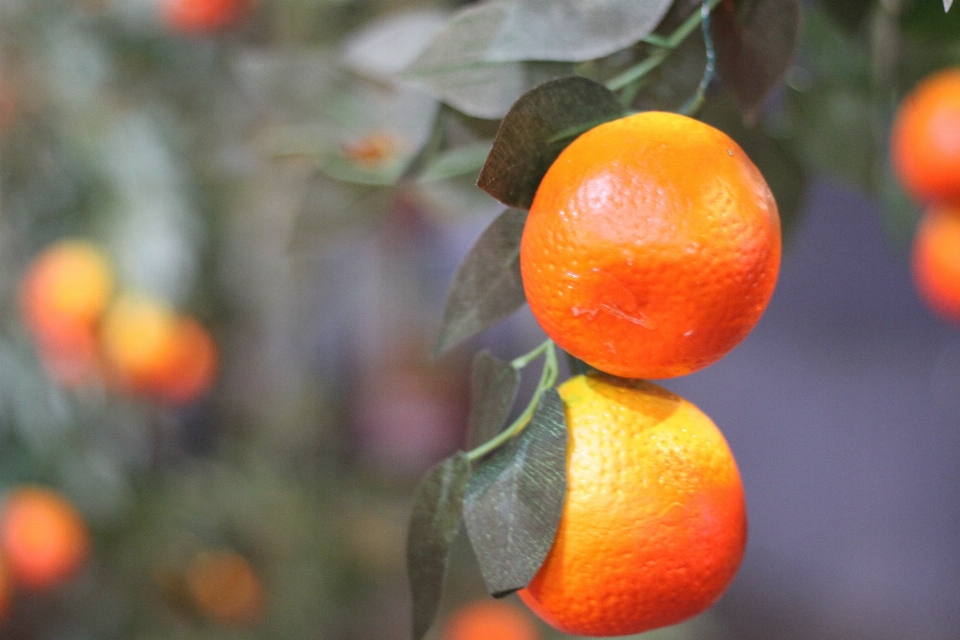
(437,511)
(486,287)
(515,499)
(536,129)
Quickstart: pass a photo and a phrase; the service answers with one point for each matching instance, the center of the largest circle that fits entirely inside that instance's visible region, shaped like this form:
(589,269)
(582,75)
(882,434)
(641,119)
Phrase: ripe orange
(936,260)
(654,524)
(202,16)
(925,138)
(195,367)
(652,246)
(43,538)
(63,294)
(489,620)
(225,588)
(6,591)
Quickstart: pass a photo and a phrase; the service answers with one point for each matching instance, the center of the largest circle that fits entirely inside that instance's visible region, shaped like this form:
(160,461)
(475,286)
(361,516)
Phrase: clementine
(44,539)
(925,138)
(652,246)
(489,619)
(936,260)
(202,16)
(195,367)
(654,522)
(62,296)
(225,588)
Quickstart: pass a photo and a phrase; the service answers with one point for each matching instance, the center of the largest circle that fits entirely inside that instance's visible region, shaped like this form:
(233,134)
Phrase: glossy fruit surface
(654,524)
(652,246)
(488,619)
(936,261)
(925,139)
(43,537)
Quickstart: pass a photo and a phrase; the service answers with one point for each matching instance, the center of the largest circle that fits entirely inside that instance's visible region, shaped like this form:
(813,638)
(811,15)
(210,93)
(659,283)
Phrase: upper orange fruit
(654,523)
(652,246)
(936,260)
(925,139)
(202,16)
(43,538)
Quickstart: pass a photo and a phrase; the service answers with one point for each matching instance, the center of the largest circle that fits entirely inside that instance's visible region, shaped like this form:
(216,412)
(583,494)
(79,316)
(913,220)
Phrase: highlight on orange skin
(225,588)
(936,261)
(44,539)
(62,296)
(489,620)
(925,138)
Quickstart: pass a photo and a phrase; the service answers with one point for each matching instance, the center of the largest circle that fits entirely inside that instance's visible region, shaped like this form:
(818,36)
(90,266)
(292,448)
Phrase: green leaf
(437,511)
(671,84)
(486,287)
(494,389)
(538,127)
(383,47)
(515,499)
(573,30)
(755,41)
(453,68)
(457,162)
(849,13)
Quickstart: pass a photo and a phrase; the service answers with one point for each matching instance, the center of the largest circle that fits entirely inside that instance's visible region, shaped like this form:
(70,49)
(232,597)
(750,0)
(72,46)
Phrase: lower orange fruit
(489,620)
(936,261)
(225,588)
(654,524)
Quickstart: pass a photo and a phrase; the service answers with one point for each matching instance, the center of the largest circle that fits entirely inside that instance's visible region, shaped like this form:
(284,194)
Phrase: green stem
(524,360)
(548,377)
(664,47)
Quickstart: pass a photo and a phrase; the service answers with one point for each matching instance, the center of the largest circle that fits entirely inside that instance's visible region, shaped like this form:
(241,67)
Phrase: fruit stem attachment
(664,46)
(548,378)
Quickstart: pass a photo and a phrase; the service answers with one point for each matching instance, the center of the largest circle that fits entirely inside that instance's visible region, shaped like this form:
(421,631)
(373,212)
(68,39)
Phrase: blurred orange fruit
(654,524)
(195,367)
(489,620)
(225,588)
(652,246)
(63,294)
(6,591)
(202,16)
(44,539)
(139,339)
(925,138)
(936,260)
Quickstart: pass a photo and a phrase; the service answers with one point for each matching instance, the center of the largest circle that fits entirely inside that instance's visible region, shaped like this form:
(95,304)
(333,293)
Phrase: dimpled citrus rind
(654,524)
(936,261)
(652,246)
(925,139)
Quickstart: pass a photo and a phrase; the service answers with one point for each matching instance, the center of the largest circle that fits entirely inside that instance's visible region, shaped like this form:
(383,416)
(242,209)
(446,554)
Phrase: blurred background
(243,166)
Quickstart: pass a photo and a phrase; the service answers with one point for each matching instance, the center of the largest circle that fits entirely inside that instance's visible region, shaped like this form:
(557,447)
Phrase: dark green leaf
(672,84)
(515,499)
(538,127)
(779,165)
(453,68)
(437,510)
(573,30)
(486,287)
(494,388)
(849,13)
(755,44)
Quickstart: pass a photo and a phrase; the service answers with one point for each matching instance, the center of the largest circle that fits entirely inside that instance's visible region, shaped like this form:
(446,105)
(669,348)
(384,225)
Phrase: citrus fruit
(43,537)
(936,260)
(925,138)
(195,364)
(652,246)
(63,293)
(202,16)
(225,588)
(654,522)
(6,591)
(488,620)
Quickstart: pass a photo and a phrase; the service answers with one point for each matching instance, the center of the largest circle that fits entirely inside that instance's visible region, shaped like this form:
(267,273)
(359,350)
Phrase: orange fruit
(6,591)
(195,367)
(140,341)
(925,138)
(652,246)
(225,588)
(936,260)
(202,16)
(62,296)
(489,620)
(654,521)
(43,538)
